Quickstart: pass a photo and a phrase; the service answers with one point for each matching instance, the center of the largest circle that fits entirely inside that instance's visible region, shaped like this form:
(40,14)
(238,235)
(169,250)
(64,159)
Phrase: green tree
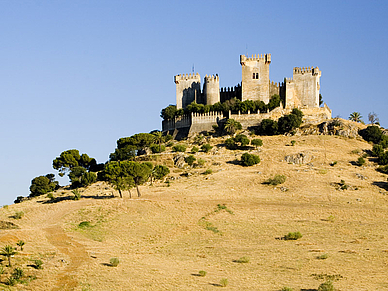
(257,142)
(356,117)
(8,251)
(372,133)
(190,160)
(115,174)
(20,243)
(160,171)
(231,126)
(274,102)
(249,159)
(139,173)
(43,184)
(206,147)
(268,127)
(169,112)
(241,140)
(158,139)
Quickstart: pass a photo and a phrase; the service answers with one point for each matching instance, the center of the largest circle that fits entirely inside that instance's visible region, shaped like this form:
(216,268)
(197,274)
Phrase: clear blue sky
(81,74)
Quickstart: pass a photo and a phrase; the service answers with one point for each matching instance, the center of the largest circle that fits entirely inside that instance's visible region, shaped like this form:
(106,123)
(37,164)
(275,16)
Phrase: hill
(228,223)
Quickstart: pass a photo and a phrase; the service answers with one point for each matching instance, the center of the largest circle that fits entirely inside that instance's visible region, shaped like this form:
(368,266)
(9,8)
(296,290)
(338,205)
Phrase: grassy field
(228,224)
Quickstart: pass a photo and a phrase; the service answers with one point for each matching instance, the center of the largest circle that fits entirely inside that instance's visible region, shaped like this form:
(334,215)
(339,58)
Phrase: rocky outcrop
(179,161)
(299,158)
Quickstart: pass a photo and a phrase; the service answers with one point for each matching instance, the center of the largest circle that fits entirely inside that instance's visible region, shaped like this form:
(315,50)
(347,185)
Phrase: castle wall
(230,93)
(255,77)
(273,89)
(204,121)
(307,86)
(211,90)
(188,89)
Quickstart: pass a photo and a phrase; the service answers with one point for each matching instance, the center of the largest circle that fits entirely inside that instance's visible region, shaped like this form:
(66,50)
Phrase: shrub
(372,133)
(268,127)
(11,281)
(383,158)
(322,257)
(194,150)
(38,264)
(18,215)
(257,142)
(208,172)
(200,162)
(179,148)
(383,169)
(206,148)
(17,273)
(50,196)
(84,224)
(327,286)
(170,144)
(286,289)
(156,148)
(360,161)
(242,260)
(249,159)
(278,179)
(224,282)
(231,144)
(190,160)
(333,163)
(114,262)
(293,236)
(293,142)
(202,273)
(242,140)
(77,194)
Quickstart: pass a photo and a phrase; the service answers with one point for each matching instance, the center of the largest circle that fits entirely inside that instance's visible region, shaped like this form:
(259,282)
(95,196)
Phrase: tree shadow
(71,198)
(308,289)
(235,162)
(382,185)
(215,284)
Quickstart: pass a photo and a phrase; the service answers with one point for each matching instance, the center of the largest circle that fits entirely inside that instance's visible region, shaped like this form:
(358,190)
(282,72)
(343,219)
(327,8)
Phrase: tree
(274,102)
(241,140)
(190,160)
(206,147)
(290,122)
(268,127)
(231,126)
(356,117)
(8,251)
(70,159)
(158,139)
(20,243)
(115,174)
(372,133)
(160,171)
(373,118)
(249,159)
(256,142)
(43,184)
(169,112)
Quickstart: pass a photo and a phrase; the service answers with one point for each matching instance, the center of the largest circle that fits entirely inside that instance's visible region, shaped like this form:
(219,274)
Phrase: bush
(38,264)
(156,148)
(242,260)
(293,142)
(160,171)
(208,172)
(17,273)
(383,158)
(77,194)
(383,169)
(18,215)
(206,148)
(114,262)
(268,127)
(322,257)
(224,282)
(293,236)
(327,286)
(278,179)
(360,161)
(200,162)
(202,273)
(231,144)
(11,281)
(194,150)
(249,159)
(286,289)
(257,142)
(190,160)
(179,148)
(372,133)
(84,224)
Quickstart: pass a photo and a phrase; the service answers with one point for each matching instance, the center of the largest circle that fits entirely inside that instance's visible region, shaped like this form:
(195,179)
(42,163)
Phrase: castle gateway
(301,91)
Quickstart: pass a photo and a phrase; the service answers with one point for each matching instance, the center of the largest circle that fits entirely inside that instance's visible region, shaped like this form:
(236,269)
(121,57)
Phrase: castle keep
(301,91)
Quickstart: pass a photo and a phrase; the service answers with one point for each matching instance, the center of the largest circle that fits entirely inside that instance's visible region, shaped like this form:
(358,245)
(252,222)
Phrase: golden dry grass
(164,238)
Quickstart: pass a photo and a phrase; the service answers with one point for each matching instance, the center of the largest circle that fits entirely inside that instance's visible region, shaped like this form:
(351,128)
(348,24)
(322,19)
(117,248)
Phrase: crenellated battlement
(211,78)
(307,70)
(258,58)
(186,77)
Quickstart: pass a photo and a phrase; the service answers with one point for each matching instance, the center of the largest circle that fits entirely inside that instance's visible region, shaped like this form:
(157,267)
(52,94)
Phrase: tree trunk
(121,194)
(130,194)
(9,261)
(138,191)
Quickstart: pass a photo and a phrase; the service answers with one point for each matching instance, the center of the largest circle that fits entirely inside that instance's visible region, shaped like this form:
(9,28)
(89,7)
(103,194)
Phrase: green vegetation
(208,172)
(286,289)
(239,141)
(249,159)
(360,161)
(293,236)
(43,184)
(18,215)
(159,172)
(194,150)
(356,117)
(285,124)
(77,194)
(38,264)
(276,180)
(242,260)
(327,286)
(231,126)
(224,282)
(257,142)
(179,148)
(114,262)
(206,148)
(322,257)
(8,251)
(190,160)
(202,273)
(20,243)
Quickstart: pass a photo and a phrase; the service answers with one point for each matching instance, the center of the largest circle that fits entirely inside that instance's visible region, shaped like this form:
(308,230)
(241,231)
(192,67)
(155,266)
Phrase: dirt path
(74,250)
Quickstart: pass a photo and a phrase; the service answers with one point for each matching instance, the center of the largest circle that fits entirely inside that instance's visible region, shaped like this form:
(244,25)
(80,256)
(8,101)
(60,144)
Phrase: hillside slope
(208,222)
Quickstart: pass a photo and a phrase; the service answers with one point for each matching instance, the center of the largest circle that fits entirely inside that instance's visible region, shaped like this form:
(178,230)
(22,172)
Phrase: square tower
(188,89)
(255,77)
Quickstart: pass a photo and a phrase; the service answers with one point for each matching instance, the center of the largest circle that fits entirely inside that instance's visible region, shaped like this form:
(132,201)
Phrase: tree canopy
(43,184)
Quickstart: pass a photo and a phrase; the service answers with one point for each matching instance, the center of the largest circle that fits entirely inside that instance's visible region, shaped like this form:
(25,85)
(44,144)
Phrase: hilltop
(228,223)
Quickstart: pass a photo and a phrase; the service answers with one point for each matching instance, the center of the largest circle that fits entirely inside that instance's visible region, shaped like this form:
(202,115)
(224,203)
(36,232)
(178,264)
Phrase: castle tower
(188,89)
(306,82)
(255,77)
(211,89)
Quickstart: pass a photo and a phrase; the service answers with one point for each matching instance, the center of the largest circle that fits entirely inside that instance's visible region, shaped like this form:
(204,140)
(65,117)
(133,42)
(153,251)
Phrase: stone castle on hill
(302,92)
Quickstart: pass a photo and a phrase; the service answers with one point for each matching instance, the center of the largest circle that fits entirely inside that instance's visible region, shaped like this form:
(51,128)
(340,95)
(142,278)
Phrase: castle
(301,91)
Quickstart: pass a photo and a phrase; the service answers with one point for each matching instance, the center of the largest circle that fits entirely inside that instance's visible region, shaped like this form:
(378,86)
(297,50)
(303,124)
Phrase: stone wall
(188,89)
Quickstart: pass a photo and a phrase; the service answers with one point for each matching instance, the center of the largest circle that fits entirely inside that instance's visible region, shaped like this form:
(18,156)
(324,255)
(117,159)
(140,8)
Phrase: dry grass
(162,244)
